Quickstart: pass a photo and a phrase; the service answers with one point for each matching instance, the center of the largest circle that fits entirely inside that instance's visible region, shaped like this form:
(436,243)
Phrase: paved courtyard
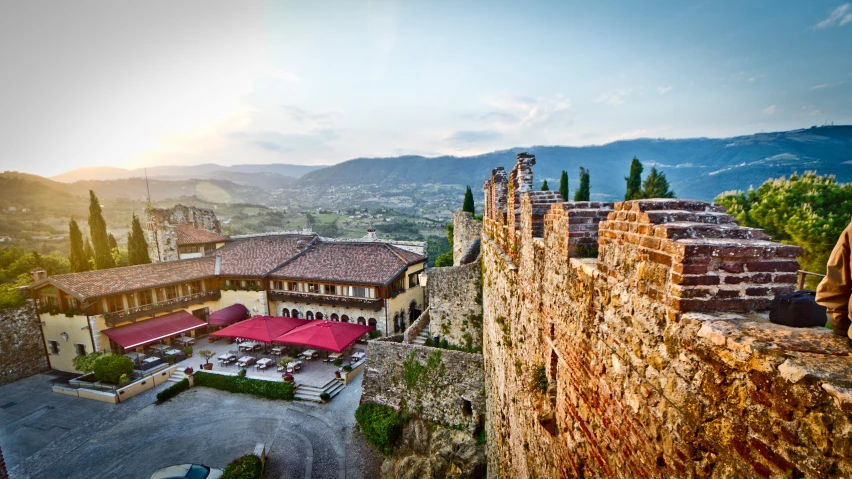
(51,435)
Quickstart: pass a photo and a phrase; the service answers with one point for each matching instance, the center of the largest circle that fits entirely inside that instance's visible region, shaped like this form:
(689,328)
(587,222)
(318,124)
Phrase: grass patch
(235,384)
(380,424)
(246,467)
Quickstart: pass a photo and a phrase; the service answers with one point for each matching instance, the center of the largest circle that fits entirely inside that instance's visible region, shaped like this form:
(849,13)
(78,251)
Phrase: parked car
(187,471)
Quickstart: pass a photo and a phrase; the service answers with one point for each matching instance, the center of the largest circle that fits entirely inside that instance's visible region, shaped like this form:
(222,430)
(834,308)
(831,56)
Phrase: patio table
(150,360)
(187,341)
(159,347)
(225,357)
(334,356)
(263,363)
(308,354)
(173,352)
(245,361)
(248,346)
(358,355)
(276,351)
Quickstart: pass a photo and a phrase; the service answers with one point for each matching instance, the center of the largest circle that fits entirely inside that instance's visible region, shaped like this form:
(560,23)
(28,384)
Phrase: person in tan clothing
(835,290)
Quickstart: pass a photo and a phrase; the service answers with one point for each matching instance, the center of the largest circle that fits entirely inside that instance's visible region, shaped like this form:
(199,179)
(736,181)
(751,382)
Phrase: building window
(335,317)
(193,287)
(362,320)
(359,292)
(309,315)
(414,279)
(330,289)
(313,288)
(168,292)
(398,284)
(114,304)
(320,315)
(294,313)
(80,349)
(53,346)
(71,303)
(144,297)
(292,286)
(344,318)
(372,322)
(285,312)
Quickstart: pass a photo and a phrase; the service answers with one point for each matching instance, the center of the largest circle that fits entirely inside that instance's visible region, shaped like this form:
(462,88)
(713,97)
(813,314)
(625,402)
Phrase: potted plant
(123,380)
(230,340)
(188,351)
(287,378)
(242,373)
(347,368)
(188,370)
(337,374)
(337,362)
(326,397)
(206,354)
(170,359)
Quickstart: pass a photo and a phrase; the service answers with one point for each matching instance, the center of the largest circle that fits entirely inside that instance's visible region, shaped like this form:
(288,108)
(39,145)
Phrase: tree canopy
(584,190)
(98,231)
(810,211)
(634,181)
(78,260)
(467,205)
(544,186)
(563,185)
(656,185)
(137,246)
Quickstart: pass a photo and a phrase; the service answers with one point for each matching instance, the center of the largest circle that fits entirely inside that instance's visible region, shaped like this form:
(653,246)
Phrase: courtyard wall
(22,351)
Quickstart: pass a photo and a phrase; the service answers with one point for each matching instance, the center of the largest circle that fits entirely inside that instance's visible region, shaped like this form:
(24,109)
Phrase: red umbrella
(260,328)
(330,335)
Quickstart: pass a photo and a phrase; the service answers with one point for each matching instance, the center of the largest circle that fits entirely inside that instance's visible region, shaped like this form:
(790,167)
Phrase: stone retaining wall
(455,303)
(444,386)
(21,344)
(656,358)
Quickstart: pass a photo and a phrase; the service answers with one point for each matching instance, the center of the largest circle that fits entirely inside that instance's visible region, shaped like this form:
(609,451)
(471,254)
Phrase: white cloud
(811,110)
(611,97)
(664,89)
(770,110)
(837,18)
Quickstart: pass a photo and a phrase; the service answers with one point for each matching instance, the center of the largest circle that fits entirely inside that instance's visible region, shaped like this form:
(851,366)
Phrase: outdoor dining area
(299,350)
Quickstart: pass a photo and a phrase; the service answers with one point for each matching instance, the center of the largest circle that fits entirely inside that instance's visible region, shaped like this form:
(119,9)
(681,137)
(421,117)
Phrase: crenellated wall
(656,358)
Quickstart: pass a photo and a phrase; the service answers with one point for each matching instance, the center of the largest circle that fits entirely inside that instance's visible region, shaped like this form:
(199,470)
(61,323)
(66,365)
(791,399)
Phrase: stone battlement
(654,358)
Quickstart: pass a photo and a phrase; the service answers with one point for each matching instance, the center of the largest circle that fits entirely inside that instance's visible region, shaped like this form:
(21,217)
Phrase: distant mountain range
(698,168)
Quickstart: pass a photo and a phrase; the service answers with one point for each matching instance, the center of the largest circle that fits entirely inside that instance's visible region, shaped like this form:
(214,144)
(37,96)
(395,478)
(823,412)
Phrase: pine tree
(90,254)
(563,185)
(77,258)
(634,181)
(467,205)
(656,185)
(100,240)
(584,190)
(137,246)
(544,186)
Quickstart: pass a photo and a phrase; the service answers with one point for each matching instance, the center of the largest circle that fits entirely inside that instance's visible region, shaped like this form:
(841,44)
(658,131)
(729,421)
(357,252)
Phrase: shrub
(325,396)
(539,381)
(337,362)
(171,358)
(86,364)
(242,385)
(187,350)
(246,467)
(380,424)
(124,380)
(173,390)
(109,368)
(242,373)
(375,334)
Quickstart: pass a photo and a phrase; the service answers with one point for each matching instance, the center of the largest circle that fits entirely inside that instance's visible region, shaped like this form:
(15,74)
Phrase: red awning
(154,329)
(229,315)
(331,335)
(260,328)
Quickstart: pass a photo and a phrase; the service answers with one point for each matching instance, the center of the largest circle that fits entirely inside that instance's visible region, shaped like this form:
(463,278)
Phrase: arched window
(294,313)
(372,322)
(285,312)
(309,315)
(396,323)
(344,318)
(319,315)
(362,320)
(402,320)
(335,317)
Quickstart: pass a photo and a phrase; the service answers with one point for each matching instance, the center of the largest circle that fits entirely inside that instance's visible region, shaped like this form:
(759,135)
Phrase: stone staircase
(176,376)
(424,338)
(312,393)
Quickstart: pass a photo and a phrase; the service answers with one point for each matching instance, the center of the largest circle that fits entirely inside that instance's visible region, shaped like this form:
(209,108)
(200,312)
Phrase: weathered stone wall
(466,230)
(455,303)
(22,351)
(438,385)
(656,358)
(161,234)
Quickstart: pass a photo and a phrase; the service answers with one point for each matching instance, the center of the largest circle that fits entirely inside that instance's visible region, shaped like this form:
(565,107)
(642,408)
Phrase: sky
(133,84)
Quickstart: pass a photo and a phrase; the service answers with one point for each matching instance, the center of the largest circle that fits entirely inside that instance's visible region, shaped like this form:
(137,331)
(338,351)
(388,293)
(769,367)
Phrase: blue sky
(135,84)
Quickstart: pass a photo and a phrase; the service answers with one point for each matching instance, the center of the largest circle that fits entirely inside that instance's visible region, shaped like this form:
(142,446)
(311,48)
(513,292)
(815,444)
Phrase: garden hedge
(236,384)
(110,367)
(380,424)
(246,467)
(173,390)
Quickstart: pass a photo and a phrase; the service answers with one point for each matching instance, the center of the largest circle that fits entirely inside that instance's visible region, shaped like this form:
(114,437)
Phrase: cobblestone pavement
(132,439)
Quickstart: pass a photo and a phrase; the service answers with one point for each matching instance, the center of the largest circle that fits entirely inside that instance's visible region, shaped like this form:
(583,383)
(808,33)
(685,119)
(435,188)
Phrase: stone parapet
(465,231)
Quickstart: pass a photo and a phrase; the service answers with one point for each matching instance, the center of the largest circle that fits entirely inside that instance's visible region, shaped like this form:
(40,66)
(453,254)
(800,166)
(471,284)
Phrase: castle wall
(465,231)
(21,345)
(455,304)
(443,387)
(654,359)
(161,234)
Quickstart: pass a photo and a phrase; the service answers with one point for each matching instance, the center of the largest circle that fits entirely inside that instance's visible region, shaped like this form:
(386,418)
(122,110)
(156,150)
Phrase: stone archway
(309,315)
(320,315)
(344,318)
(294,313)
(286,313)
(335,317)
(362,320)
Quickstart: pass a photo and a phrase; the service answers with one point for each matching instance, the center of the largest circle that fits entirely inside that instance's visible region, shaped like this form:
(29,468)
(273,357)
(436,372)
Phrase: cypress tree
(137,246)
(584,190)
(97,229)
(563,185)
(544,186)
(467,205)
(656,185)
(90,254)
(634,181)
(77,258)
(113,244)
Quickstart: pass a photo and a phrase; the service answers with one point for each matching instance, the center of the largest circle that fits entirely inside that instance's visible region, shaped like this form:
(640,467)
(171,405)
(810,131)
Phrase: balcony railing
(308,298)
(133,314)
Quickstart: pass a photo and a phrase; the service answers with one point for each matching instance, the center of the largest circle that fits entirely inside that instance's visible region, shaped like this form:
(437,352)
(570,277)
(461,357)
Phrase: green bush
(539,380)
(380,424)
(246,467)
(173,390)
(109,368)
(86,364)
(241,385)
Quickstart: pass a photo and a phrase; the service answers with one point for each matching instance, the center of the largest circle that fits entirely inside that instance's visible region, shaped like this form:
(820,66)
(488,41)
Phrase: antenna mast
(151,226)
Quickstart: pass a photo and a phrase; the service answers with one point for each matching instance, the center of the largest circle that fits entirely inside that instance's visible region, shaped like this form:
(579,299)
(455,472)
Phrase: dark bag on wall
(798,309)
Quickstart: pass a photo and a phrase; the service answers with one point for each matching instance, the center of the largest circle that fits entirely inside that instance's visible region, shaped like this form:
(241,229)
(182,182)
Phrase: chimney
(371,234)
(39,274)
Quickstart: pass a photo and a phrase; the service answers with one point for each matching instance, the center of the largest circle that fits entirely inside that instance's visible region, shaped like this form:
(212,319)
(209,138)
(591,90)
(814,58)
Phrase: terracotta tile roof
(255,257)
(361,263)
(106,282)
(188,234)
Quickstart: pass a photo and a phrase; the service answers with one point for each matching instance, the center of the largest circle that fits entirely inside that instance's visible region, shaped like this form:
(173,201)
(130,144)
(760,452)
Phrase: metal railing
(132,314)
(313,298)
(801,275)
